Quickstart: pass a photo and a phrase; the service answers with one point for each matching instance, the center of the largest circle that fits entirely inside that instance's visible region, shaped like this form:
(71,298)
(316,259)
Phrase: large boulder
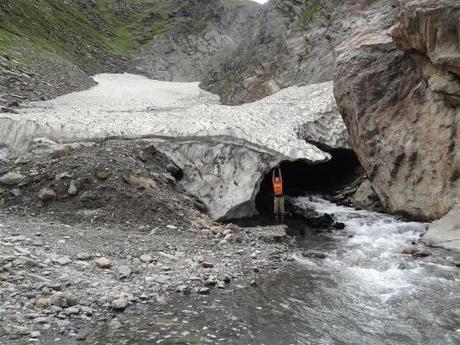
(400,99)
(445,232)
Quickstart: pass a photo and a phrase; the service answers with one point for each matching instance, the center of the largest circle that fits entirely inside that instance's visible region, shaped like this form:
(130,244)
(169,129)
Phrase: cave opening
(302,178)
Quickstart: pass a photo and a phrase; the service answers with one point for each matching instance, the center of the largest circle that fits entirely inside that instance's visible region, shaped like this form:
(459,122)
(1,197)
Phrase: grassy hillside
(48,47)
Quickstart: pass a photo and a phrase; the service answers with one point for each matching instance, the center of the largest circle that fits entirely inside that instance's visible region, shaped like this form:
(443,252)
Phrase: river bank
(60,279)
(349,287)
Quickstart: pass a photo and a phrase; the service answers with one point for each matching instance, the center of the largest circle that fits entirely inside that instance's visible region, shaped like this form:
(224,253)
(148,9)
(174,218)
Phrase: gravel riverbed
(57,280)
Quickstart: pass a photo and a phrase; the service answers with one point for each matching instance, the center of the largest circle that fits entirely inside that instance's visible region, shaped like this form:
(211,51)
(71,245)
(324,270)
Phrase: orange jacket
(278,187)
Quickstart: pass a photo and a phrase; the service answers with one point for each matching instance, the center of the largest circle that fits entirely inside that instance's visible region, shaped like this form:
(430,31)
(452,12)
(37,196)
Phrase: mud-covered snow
(262,133)
(131,105)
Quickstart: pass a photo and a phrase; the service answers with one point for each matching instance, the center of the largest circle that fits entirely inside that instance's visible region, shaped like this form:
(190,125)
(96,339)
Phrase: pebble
(63,260)
(84,256)
(253,283)
(146,258)
(72,190)
(11,178)
(62,323)
(35,334)
(122,272)
(203,291)
(59,299)
(119,304)
(185,289)
(103,263)
(46,194)
(115,324)
(72,310)
(207,264)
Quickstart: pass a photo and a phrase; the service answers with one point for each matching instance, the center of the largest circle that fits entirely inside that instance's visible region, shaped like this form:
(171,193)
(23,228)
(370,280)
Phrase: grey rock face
(401,108)
(445,232)
(211,31)
(364,196)
(293,43)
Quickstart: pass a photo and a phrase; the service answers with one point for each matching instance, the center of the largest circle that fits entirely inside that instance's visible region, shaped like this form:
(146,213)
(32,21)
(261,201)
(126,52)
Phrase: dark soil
(116,182)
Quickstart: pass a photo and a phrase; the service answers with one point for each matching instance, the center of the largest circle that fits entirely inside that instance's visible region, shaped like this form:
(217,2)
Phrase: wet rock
(210,281)
(365,196)
(445,232)
(185,289)
(119,304)
(456,261)
(409,251)
(421,254)
(11,178)
(314,255)
(122,272)
(203,291)
(46,194)
(103,263)
(338,226)
(207,264)
(402,266)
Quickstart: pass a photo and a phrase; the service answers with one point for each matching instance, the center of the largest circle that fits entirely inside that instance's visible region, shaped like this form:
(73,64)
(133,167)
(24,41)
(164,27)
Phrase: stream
(364,292)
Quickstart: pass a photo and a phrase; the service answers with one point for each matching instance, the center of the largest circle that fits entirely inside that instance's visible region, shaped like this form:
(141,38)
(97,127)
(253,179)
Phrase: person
(277,180)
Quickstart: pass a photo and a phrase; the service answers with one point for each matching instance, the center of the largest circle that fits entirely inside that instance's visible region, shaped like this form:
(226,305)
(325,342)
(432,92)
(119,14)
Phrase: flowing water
(364,292)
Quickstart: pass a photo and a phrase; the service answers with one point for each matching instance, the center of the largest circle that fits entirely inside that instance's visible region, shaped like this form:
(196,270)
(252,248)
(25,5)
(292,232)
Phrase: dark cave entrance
(301,178)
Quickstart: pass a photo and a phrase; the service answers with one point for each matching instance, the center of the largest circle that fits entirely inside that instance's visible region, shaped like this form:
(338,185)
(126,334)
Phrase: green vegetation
(81,32)
(309,13)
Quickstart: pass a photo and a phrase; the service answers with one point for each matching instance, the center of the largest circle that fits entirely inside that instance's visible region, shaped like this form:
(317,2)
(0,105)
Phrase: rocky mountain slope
(293,43)
(48,48)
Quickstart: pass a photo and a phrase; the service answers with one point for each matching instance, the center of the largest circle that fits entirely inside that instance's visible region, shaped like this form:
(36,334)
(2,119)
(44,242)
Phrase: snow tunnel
(301,178)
